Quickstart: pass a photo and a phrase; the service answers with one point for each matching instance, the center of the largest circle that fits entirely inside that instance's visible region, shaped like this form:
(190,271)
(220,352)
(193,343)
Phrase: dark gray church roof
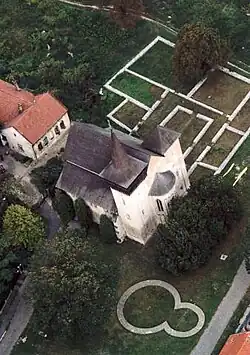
(160,139)
(81,183)
(163,183)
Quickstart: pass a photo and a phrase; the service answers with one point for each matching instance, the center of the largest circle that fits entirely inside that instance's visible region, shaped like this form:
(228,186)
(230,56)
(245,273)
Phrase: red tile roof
(237,344)
(39,114)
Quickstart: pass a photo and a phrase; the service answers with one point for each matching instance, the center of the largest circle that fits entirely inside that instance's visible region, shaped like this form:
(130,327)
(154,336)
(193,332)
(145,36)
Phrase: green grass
(156,64)
(204,287)
(137,88)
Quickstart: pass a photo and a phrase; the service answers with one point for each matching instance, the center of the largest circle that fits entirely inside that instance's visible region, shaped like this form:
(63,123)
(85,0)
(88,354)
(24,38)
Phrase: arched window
(62,125)
(160,205)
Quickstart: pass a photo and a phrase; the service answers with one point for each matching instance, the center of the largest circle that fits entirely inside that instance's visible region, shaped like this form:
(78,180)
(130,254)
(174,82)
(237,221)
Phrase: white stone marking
(117,108)
(203,153)
(119,123)
(236,66)
(120,93)
(166,41)
(208,166)
(240,175)
(232,152)
(188,151)
(163,326)
(235,130)
(196,87)
(199,103)
(155,83)
(219,133)
(192,168)
(204,129)
(228,171)
(235,75)
(239,107)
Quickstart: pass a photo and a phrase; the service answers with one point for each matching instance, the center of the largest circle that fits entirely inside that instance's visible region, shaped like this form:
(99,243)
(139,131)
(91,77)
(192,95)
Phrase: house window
(15,134)
(160,206)
(57,131)
(20,148)
(4,138)
(45,141)
(40,146)
(62,125)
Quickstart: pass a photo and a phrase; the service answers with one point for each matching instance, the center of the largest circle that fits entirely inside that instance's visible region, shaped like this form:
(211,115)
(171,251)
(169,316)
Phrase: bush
(45,177)
(107,230)
(64,206)
(196,223)
(83,213)
(22,227)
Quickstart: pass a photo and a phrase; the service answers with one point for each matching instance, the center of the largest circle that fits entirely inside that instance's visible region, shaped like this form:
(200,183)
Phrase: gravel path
(225,311)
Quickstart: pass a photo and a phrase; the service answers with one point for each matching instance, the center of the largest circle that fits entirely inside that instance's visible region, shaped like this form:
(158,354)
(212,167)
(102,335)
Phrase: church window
(160,205)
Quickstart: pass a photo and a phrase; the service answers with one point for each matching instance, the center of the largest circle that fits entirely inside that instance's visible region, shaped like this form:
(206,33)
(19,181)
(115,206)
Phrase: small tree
(197,50)
(107,230)
(22,227)
(64,206)
(73,290)
(126,12)
(83,213)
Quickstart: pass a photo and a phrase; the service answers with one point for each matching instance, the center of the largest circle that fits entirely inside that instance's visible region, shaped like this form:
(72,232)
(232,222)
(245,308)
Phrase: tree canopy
(71,288)
(126,12)
(22,227)
(197,50)
(196,223)
(64,206)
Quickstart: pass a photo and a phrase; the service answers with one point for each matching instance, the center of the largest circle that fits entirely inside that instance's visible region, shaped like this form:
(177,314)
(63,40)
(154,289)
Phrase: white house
(31,123)
(129,180)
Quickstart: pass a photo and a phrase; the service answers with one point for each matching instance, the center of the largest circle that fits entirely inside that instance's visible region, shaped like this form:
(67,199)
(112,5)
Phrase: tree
(83,213)
(196,223)
(45,177)
(197,50)
(22,227)
(64,206)
(71,287)
(107,230)
(126,12)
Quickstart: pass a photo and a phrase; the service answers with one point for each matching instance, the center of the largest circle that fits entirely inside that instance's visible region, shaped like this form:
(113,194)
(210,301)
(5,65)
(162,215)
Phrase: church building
(129,180)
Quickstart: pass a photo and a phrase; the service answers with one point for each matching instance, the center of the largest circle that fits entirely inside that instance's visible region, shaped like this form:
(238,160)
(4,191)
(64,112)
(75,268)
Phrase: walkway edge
(224,313)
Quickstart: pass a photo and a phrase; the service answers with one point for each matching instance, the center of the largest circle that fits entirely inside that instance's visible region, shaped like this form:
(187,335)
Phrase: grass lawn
(204,287)
(137,88)
(222,91)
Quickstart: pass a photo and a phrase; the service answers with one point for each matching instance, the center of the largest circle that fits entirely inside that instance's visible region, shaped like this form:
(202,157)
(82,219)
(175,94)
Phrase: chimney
(20,108)
(16,85)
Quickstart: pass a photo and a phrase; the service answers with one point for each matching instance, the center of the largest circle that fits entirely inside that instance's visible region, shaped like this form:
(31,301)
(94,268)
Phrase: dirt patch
(222,91)
(156,92)
(200,172)
(228,140)
(242,120)
(130,114)
(205,140)
(179,121)
(222,148)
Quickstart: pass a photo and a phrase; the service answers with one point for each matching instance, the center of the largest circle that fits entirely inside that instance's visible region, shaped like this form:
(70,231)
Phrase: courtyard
(212,116)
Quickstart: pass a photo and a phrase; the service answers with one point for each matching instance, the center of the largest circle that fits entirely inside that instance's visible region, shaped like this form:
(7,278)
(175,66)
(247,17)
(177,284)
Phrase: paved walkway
(225,311)
(18,322)
(163,326)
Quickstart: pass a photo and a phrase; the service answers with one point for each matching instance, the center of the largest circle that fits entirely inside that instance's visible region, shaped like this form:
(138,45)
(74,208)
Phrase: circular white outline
(163,326)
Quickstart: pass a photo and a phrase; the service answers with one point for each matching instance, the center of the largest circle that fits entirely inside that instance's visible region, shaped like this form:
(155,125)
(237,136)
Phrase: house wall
(17,142)
(51,136)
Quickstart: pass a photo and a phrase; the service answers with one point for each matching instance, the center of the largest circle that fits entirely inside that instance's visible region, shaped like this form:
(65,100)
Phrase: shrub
(196,223)
(22,227)
(64,206)
(83,213)
(45,177)
(107,230)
